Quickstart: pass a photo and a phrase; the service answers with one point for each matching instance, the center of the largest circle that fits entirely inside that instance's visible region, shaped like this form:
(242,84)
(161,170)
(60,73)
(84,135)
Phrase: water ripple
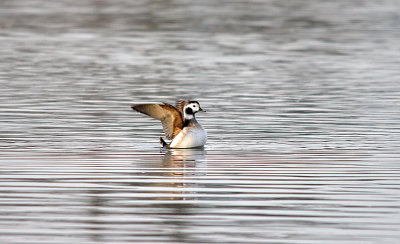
(303,121)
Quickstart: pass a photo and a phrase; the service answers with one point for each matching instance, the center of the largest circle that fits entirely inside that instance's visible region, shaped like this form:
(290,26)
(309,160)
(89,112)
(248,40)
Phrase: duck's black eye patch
(189,111)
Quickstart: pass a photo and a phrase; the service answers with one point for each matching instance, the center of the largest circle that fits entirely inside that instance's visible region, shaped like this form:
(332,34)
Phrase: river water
(303,118)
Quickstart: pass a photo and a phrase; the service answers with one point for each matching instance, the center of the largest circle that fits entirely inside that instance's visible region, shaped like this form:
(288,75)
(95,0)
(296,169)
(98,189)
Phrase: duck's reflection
(182,169)
(178,158)
(175,180)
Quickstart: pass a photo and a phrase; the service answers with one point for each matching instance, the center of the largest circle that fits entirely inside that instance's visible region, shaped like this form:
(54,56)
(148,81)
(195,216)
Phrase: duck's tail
(163,143)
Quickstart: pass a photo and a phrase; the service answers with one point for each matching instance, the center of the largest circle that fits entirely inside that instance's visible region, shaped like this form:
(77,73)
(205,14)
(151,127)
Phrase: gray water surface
(303,118)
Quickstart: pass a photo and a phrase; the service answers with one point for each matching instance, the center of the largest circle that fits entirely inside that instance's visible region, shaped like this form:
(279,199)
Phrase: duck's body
(179,124)
(192,135)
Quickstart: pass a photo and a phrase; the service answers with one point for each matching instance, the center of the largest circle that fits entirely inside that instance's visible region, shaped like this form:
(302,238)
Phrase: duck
(179,123)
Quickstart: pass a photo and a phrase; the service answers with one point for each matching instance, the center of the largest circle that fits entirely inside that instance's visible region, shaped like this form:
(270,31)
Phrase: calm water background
(303,121)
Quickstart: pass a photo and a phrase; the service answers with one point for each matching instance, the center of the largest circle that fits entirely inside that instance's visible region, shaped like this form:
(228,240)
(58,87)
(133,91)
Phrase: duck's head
(191,108)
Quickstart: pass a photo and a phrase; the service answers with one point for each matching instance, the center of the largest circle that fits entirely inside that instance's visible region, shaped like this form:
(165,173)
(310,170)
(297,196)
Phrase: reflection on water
(195,196)
(180,166)
(302,117)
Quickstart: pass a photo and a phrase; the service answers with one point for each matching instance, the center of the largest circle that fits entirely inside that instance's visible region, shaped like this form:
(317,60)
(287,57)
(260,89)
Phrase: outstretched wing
(170,118)
(180,104)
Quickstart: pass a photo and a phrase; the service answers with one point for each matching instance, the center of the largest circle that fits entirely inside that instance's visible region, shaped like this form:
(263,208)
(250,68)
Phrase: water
(302,101)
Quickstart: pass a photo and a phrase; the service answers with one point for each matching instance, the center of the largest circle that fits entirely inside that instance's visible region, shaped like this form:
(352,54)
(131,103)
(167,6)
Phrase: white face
(194,106)
(190,109)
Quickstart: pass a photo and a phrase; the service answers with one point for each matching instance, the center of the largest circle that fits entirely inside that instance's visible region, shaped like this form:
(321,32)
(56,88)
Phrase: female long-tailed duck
(179,123)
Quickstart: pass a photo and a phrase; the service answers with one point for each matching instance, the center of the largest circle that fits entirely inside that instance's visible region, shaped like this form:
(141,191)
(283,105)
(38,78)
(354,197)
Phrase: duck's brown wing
(180,104)
(169,116)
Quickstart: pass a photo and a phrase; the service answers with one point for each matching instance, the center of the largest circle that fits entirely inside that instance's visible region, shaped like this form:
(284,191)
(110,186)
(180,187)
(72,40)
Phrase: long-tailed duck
(179,123)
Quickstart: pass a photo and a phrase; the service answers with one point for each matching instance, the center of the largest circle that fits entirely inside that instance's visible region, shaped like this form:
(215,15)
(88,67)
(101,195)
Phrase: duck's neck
(187,119)
(188,116)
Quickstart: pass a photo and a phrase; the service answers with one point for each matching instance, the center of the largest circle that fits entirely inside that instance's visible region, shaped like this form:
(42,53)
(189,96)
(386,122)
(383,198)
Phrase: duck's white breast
(190,137)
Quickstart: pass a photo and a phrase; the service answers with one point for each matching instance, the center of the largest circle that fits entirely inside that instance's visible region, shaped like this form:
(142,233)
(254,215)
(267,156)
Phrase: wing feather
(180,104)
(169,116)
